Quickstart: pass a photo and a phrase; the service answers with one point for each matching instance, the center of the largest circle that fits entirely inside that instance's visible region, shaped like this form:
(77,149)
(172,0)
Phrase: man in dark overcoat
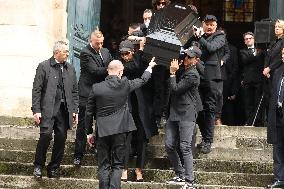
(94,60)
(275,128)
(108,100)
(54,106)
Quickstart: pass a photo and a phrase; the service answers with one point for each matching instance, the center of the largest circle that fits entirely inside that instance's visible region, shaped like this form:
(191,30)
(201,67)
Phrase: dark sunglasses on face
(124,53)
(161,3)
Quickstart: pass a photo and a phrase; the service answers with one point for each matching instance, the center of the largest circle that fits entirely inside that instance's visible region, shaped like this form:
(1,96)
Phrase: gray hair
(59,45)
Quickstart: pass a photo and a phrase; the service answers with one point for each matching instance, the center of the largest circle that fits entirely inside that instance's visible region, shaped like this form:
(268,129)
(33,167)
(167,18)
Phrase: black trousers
(252,96)
(278,151)
(81,138)
(219,101)
(111,152)
(206,119)
(59,124)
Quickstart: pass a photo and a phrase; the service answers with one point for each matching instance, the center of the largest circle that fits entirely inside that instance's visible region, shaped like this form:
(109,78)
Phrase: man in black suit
(94,60)
(275,128)
(252,62)
(184,102)
(108,100)
(211,44)
(54,106)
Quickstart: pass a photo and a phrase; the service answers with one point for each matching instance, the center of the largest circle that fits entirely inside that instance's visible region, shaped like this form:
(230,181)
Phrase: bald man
(108,102)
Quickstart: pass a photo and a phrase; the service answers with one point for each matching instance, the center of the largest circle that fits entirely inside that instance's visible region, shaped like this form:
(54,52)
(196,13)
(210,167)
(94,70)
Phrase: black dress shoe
(37,172)
(77,161)
(53,173)
(277,184)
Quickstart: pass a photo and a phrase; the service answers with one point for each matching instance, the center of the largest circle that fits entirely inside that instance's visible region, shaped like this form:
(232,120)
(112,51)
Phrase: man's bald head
(115,67)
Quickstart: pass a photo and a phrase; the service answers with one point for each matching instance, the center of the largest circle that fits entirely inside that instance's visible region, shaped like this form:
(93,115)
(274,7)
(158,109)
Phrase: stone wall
(28,29)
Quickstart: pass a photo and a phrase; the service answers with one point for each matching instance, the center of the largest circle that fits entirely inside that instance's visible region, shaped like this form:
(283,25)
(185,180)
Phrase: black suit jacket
(184,96)
(108,101)
(44,91)
(271,129)
(211,48)
(252,66)
(93,69)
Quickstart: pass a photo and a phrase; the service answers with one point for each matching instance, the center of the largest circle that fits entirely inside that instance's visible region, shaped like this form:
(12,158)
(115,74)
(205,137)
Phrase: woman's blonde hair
(281,23)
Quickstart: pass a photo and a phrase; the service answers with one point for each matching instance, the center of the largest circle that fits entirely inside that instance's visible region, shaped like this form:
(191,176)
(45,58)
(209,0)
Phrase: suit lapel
(96,56)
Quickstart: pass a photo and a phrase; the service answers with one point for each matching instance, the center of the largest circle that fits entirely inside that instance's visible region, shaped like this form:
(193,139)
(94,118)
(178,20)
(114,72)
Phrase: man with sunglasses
(160,4)
(141,107)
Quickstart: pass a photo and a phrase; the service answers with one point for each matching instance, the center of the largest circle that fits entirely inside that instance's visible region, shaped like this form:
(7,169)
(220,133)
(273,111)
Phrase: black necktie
(60,80)
(101,58)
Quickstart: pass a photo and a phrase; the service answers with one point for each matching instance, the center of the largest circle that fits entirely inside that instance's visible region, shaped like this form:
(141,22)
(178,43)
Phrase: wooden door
(83,18)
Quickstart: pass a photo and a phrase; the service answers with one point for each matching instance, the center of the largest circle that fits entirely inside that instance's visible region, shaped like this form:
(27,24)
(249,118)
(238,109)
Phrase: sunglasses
(161,3)
(124,53)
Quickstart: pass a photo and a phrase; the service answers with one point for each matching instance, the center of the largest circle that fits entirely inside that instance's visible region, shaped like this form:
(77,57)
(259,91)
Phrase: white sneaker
(176,180)
(188,185)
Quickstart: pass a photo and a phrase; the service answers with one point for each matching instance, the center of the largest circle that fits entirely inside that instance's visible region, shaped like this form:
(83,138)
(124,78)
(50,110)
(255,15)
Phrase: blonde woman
(274,53)
(275,129)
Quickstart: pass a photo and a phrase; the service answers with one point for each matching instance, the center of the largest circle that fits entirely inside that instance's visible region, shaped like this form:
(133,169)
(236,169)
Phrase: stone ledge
(17,121)
(72,183)
(162,163)
(150,175)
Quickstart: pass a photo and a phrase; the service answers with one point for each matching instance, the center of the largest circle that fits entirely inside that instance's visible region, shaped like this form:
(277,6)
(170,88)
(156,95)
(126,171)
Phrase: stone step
(245,154)
(248,154)
(209,165)
(12,181)
(31,132)
(226,142)
(150,175)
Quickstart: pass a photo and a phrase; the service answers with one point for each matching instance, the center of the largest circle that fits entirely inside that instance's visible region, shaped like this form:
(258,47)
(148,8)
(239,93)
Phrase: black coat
(252,66)
(184,96)
(108,100)
(44,90)
(145,95)
(93,69)
(232,71)
(273,59)
(271,128)
(211,48)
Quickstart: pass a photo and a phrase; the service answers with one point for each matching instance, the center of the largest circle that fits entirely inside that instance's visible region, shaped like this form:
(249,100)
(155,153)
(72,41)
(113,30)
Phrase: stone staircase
(241,158)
